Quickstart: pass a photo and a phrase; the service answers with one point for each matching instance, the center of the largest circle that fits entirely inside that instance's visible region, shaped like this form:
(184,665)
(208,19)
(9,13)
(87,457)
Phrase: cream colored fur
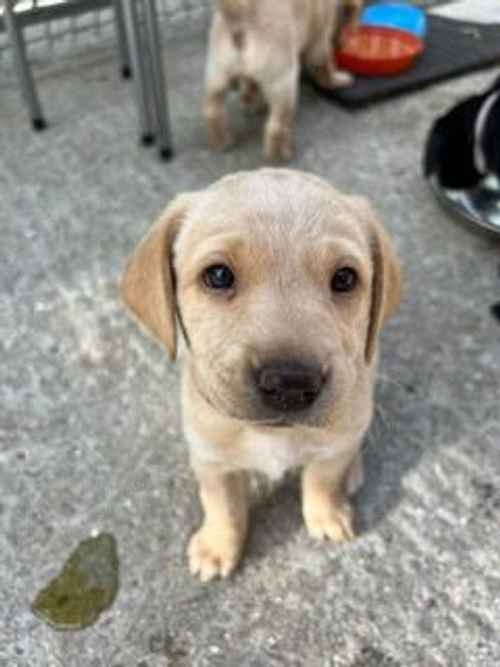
(263,44)
(284,234)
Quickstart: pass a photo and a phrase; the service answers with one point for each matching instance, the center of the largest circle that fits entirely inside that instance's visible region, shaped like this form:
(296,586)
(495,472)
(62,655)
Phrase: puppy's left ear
(148,286)
(386,276)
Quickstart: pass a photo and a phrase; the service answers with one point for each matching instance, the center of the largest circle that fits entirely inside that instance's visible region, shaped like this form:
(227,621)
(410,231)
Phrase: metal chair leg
(121,36)
(164,137)
(22,66)
(137,54)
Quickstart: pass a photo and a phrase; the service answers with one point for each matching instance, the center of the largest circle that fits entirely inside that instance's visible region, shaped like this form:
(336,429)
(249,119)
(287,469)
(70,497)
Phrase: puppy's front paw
(326,520)
(213,553)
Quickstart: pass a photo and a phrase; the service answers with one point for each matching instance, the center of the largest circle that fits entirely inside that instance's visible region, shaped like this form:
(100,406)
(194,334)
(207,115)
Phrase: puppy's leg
(352,11)
(215,549)
(355,475)
(219,133)
(325,508)
(220,70)
(281,96)
(322,67)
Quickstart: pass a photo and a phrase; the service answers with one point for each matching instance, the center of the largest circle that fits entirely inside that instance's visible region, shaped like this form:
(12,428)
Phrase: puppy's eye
(344,280)
(218,276)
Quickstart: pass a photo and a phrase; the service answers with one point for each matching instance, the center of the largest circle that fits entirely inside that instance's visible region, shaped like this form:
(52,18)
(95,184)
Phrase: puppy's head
(278,285)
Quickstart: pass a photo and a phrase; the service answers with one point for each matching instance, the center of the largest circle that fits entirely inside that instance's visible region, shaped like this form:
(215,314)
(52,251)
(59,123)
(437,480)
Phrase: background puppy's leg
(281,96)
(215,549)
(220,70)
(325,508)
(219,133)
(350,11)
(322,66)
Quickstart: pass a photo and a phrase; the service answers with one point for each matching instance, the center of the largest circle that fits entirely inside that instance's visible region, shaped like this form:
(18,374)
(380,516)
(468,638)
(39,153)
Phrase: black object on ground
(462,159)
(495,310)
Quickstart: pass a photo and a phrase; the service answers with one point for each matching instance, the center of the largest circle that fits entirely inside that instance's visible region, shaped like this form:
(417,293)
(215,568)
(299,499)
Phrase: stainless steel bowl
(478,206)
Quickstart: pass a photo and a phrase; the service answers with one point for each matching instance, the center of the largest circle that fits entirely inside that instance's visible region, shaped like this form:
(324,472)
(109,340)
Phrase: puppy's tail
(236,13)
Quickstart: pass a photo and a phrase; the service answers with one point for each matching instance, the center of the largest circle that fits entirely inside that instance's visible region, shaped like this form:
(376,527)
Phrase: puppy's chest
(275,454)
(272,455)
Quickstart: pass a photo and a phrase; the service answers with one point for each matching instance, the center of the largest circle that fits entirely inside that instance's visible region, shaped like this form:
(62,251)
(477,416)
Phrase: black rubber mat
(451,48)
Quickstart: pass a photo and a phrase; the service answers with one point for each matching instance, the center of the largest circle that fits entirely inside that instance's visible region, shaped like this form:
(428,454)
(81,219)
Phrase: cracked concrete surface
(89,413)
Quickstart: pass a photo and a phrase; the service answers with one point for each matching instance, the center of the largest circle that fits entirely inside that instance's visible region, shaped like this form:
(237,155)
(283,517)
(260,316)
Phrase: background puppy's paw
(213,553)
(331,78)
(341,79)
(221,142)
(278,149)
(330,521)
(220,137)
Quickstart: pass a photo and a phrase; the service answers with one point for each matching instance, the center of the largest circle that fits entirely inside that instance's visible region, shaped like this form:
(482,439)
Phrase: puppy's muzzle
(289,386)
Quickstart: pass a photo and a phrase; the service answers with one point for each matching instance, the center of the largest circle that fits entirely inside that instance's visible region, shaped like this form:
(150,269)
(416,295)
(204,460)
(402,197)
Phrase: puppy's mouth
(249,409)
(289,422)
(253,415)
(278,422)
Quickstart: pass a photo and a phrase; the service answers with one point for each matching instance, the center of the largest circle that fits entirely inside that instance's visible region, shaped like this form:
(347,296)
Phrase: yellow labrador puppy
(275,287)
(262,44)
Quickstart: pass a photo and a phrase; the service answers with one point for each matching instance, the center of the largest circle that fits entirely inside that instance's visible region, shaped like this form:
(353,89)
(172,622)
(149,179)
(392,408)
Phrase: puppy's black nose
(289,385)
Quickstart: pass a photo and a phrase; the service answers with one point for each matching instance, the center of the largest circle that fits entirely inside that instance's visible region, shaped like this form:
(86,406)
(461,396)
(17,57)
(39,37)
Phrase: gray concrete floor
(89,418)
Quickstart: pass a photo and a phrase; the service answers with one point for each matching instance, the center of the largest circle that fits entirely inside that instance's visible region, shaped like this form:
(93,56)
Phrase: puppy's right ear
(147,285)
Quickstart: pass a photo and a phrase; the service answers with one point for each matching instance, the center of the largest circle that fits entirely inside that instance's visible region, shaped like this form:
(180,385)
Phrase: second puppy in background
(262,44)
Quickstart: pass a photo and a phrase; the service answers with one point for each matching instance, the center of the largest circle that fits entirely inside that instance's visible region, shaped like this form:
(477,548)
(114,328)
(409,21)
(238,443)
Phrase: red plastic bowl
(378,50)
